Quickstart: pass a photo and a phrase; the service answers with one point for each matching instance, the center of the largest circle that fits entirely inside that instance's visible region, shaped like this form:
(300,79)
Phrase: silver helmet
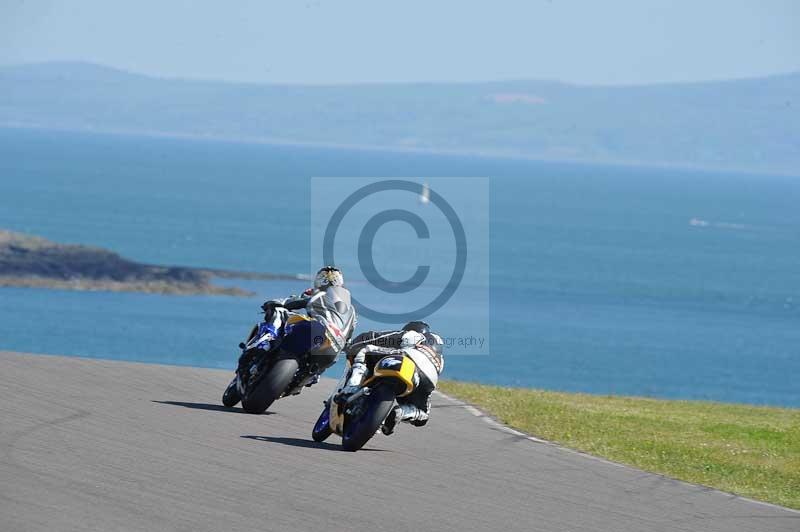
(328,276)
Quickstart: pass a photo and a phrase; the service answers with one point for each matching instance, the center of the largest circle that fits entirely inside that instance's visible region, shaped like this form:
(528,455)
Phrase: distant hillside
(745,124)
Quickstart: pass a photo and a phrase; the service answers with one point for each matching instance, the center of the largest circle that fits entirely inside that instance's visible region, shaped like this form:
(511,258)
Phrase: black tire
(271,386)
(322,428)
(231,395)
(357,432)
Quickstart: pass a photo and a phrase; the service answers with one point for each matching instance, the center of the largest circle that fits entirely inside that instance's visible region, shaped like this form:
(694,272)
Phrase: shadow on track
(297,442)
(209,406)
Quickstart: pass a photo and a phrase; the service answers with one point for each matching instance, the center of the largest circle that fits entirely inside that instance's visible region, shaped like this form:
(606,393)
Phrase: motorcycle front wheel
(231,395)
(358,431)
(322,428)
(270,387)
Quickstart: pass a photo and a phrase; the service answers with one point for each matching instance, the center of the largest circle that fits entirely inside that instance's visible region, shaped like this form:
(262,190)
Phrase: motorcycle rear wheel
(271,386)
(357,432)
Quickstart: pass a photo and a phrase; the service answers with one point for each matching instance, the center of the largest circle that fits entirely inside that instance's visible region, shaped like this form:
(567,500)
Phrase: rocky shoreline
(34,262)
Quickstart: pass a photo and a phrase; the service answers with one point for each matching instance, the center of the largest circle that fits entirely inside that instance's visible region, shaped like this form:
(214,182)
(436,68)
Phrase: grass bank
(748,450)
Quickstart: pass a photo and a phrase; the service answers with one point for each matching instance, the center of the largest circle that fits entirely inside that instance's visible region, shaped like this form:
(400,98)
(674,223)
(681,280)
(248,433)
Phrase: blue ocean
(603,279)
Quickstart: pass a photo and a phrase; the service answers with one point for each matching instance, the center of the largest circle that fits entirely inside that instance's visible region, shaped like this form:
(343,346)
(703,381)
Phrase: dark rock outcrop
(33,261)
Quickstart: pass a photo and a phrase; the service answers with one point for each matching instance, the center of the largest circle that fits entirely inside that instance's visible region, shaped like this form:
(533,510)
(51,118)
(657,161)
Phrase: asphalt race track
(107,446)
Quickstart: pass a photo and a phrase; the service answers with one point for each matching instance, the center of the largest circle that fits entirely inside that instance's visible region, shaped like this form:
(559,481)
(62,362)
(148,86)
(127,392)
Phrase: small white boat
(425,195)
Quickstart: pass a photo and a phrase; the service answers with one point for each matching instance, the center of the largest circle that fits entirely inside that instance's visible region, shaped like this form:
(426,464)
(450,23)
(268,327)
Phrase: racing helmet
(328,276)
(417,326)
(435,342)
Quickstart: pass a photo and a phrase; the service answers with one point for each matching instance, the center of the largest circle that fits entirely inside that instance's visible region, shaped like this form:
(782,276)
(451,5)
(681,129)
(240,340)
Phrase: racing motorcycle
(266,372)
(357,417)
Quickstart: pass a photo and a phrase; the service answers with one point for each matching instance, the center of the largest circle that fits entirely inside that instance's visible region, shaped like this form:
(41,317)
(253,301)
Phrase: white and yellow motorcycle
(358,416)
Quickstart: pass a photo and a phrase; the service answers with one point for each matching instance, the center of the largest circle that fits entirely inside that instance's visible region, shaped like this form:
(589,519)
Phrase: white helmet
(328,276)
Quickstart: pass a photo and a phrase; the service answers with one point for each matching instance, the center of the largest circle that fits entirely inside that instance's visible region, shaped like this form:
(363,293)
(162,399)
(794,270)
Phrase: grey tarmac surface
(107,446)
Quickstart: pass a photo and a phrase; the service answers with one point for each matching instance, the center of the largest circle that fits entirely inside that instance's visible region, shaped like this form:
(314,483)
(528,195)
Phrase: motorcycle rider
(329,305)
(414,340)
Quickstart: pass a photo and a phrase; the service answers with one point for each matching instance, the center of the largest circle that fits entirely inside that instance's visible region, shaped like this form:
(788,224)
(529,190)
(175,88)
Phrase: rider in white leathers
(416,341)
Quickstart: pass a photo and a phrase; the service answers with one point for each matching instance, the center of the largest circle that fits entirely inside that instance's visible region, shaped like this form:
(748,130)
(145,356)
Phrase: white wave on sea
(698,222)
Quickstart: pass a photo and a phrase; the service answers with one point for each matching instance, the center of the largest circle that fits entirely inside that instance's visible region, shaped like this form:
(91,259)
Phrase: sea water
(604,279)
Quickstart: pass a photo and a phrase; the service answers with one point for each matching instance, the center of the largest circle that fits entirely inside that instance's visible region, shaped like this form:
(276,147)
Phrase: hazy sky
(334,41)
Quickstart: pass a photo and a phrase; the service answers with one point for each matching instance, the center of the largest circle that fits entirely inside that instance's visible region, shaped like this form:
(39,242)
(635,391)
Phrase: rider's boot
(408,413)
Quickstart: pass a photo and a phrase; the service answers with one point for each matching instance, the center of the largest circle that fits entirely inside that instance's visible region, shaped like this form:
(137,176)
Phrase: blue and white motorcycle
(271,366)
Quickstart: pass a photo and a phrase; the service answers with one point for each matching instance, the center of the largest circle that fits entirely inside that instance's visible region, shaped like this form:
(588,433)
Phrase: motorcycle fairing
(398,367)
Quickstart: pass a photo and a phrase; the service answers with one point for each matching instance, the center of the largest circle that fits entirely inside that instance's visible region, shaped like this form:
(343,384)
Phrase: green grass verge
(748,450)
